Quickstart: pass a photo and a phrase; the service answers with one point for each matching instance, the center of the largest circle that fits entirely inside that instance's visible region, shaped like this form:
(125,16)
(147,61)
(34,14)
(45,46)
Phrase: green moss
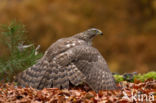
(143,77)
(118,78)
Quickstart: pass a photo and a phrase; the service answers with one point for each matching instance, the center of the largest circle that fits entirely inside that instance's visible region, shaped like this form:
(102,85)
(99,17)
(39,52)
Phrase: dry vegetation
(145,91)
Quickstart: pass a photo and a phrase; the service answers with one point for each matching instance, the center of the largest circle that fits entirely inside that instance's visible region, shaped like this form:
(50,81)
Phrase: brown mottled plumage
(73,60)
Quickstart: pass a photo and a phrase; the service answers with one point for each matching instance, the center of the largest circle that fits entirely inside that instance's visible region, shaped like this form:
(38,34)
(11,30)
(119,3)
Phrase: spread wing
(92,64)
(97,74)
(76,65)
(81,64)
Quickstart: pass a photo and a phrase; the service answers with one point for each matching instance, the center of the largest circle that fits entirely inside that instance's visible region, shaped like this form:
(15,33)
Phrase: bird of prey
(70,60)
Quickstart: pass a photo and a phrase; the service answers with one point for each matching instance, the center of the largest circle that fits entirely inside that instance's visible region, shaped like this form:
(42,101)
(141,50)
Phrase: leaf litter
(130,92)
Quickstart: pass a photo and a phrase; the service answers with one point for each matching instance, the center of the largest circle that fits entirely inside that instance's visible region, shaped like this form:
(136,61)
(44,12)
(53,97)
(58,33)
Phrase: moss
(140,77)
(118,78)
(143,77)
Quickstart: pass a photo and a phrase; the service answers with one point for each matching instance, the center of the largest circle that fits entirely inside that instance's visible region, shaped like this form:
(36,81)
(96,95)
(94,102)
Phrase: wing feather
(33,75)
(87,61)
(76,65)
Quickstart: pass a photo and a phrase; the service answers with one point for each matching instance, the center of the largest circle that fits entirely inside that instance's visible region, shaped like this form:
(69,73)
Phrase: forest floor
(131,92)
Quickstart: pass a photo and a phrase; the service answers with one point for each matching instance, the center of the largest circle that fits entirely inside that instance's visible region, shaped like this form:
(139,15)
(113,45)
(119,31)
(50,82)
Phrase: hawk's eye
(95,31)
(92,31)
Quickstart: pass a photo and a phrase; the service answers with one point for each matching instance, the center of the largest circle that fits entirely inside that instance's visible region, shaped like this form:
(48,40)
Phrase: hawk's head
(89,34)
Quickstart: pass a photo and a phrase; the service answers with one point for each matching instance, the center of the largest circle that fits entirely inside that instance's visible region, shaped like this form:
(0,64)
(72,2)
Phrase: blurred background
(129,27)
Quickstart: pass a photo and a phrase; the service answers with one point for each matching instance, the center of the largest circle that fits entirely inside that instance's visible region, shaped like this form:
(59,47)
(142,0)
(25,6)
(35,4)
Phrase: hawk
(70,60)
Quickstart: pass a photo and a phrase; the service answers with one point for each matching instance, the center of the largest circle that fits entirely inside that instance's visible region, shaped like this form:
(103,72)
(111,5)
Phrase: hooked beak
(100,32)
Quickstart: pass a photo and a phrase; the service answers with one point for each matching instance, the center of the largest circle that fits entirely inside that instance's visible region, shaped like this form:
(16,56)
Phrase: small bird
(70,60)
